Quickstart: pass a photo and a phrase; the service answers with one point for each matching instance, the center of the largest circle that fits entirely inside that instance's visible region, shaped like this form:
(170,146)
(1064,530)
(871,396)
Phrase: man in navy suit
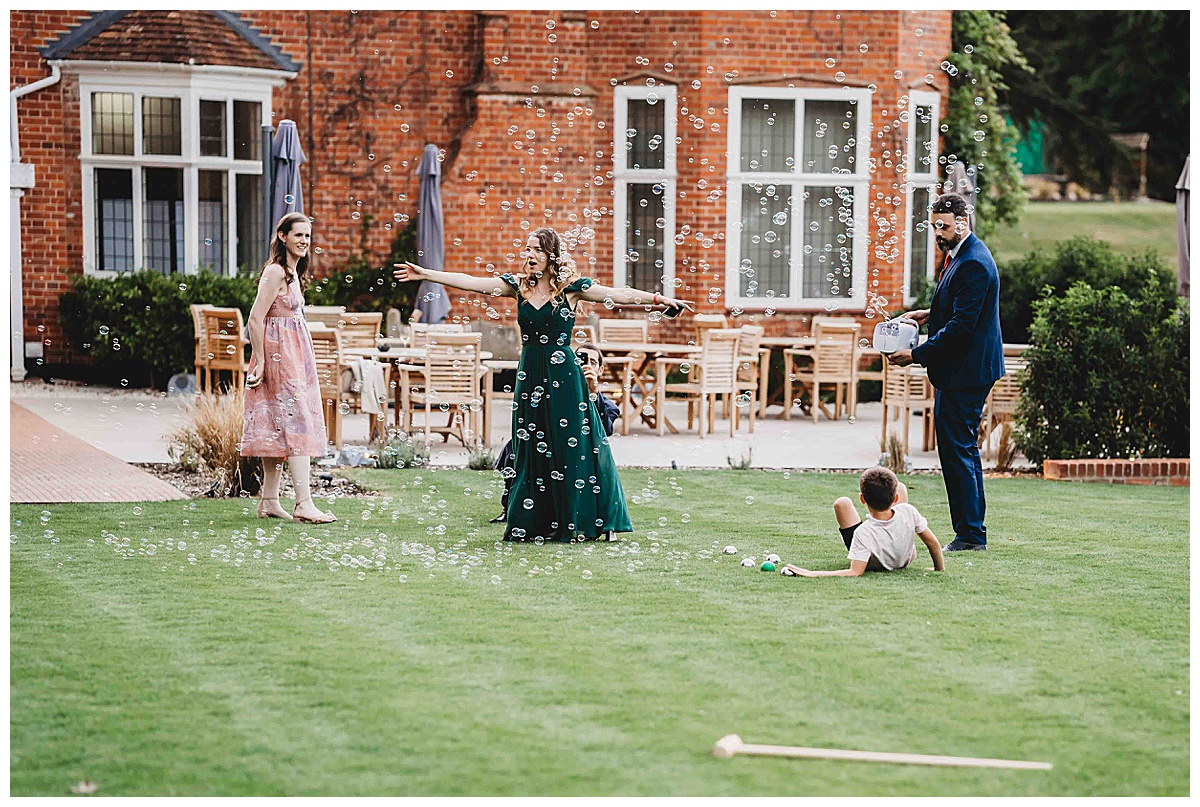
(965,357)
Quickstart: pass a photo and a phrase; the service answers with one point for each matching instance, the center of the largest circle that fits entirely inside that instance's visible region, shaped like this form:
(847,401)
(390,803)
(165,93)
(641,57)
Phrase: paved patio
(47,464)
(135,426)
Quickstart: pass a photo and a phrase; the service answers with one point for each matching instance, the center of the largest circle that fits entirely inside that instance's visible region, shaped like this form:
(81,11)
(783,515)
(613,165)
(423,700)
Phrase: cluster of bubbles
(382,541)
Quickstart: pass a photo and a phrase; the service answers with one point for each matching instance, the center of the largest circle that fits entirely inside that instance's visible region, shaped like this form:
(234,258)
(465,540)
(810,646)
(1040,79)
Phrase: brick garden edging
(1122,472)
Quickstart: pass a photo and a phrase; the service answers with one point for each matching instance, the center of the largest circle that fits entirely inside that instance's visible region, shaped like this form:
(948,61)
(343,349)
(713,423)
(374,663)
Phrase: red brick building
(764,164)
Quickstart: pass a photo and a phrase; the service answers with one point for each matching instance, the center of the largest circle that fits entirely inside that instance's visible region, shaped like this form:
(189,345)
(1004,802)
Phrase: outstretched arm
(857,567)
(455,280)
(629,296)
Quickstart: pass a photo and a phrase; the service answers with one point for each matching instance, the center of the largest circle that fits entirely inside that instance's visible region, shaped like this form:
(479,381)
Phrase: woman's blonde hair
(278,252)
(558,264)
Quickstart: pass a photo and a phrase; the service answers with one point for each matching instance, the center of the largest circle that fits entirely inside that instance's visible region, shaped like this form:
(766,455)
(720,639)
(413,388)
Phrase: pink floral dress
(283,414)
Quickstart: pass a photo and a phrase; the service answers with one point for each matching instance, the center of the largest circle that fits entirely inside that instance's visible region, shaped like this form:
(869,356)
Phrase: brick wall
(375,86)
(1122,472)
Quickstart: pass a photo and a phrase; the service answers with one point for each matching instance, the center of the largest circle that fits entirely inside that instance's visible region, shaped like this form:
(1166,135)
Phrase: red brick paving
(48,465)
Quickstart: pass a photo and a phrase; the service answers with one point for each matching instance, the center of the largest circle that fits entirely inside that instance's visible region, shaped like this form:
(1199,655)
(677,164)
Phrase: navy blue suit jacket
(965,349)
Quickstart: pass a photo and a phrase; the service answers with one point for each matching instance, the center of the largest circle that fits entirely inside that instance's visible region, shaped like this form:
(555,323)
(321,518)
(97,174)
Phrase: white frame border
(919,179)
(623,176)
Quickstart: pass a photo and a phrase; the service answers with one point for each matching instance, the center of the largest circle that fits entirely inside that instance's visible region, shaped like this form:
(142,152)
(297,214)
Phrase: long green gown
(566,486)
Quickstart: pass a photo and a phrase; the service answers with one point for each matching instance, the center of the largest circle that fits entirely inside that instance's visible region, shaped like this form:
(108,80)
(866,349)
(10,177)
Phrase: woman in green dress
(566,486)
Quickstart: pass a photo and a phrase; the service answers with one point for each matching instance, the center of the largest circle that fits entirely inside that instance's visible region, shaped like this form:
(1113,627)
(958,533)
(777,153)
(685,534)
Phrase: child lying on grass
(885,541)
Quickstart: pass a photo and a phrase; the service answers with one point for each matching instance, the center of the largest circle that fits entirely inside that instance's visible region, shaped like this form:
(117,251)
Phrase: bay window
(172,170)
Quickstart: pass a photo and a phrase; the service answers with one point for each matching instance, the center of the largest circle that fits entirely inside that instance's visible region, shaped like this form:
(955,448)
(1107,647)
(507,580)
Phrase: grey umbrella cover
(432,299)
(286,151)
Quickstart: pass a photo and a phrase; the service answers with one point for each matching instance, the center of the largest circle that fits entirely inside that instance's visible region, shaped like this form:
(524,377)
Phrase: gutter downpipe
(21,178)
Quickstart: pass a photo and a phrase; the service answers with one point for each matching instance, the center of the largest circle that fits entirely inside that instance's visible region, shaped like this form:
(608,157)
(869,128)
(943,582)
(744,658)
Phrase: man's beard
(945,245)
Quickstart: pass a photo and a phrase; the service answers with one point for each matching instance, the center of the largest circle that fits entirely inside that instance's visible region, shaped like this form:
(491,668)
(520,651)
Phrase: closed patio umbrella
(286,193)
(1183,215)
(432,300)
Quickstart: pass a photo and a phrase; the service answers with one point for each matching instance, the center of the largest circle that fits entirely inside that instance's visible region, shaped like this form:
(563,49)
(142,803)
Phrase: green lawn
(257,669)
(1130,227)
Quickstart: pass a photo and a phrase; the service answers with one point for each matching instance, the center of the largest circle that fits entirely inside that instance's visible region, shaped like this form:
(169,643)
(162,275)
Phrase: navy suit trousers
(956,417)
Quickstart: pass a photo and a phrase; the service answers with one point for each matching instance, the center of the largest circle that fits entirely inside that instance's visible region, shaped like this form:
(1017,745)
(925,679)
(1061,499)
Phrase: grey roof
(101,21)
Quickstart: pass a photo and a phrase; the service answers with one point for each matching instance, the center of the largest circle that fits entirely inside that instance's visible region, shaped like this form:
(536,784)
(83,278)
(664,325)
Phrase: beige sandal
(261,514)
(305,520)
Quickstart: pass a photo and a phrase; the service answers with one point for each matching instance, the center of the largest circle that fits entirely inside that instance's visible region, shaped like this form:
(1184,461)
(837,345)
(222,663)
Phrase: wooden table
(641,381)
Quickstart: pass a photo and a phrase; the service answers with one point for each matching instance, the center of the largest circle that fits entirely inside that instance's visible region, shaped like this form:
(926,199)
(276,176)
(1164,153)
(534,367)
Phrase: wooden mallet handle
(732,744)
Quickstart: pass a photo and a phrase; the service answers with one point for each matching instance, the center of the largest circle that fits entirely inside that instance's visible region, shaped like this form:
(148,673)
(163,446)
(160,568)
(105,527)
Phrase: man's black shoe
(500,519)
(958,545)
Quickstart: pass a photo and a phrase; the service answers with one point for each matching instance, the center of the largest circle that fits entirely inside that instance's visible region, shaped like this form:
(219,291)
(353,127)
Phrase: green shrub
(1079,259)
(1107,377)
(401,451)
(481,458)
(137,326)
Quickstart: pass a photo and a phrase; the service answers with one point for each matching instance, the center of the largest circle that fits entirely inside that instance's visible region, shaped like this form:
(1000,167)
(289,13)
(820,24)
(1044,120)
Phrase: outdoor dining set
(443,379)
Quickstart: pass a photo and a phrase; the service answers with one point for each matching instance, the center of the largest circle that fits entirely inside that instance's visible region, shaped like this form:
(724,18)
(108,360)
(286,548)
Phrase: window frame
(859,181)
(623,176)
(915,180)
(191,84)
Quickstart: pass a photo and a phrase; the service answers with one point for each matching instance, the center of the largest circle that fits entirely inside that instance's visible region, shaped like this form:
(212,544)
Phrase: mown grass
(153,675)
(1130,227)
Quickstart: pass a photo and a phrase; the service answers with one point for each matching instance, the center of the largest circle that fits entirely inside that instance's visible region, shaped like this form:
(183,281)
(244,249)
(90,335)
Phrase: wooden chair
(452,374)
(751,370)
(834,361)
(199,341)
(224,344)
(905,390)
(326,314)
(584,333)
(704,322)
(717,375)
(327,348)
(1001,404)
(419,332)
(360,330)
(622,330)
(616,382)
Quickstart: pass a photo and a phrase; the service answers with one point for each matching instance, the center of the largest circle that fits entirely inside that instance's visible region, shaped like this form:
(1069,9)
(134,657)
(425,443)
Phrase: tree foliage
(1025,279)
(975,130)
(1097,73)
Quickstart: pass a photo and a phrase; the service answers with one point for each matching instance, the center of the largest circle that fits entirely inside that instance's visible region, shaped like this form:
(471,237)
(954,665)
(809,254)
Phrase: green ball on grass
(767,567)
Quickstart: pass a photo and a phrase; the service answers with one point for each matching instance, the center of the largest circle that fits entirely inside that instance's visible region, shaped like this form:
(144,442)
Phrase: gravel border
(198,485)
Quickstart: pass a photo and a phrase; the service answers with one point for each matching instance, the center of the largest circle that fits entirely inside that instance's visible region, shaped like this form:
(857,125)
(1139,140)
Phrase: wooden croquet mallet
(732,744)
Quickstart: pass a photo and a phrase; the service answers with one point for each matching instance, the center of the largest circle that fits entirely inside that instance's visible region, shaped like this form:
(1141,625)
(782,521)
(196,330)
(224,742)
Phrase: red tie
(945,265)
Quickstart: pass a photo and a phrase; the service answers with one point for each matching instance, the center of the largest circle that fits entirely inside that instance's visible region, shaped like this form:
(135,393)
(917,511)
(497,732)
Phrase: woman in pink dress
(283,396)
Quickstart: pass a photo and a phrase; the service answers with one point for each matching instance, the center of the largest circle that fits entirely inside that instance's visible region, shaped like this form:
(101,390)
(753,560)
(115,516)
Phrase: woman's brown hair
(278,252)
(562,271)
